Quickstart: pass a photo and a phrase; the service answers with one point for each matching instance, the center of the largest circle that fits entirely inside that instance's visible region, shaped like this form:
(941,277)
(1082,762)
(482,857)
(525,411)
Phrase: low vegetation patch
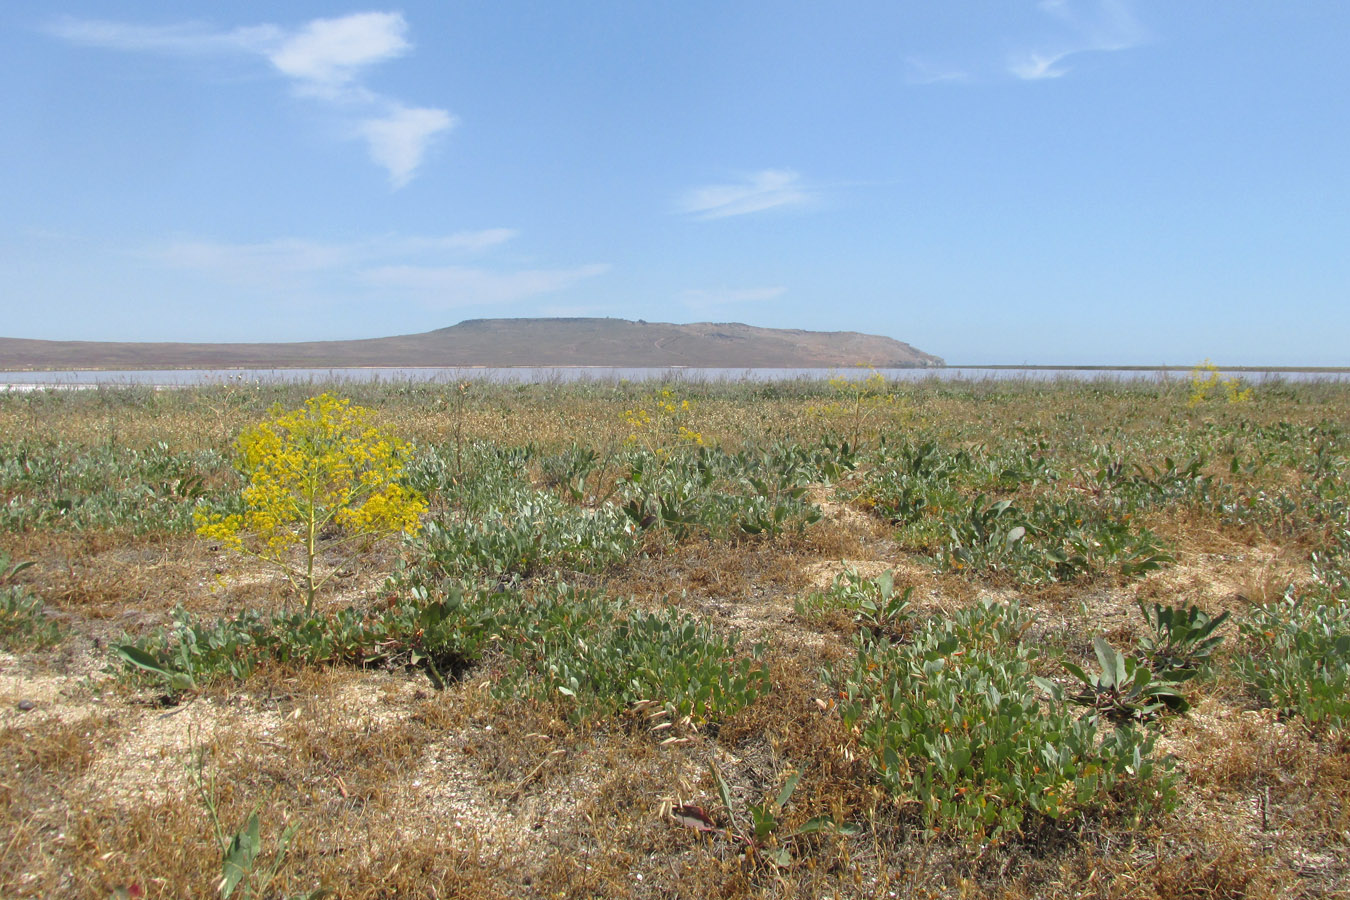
(852,638)
(955,728)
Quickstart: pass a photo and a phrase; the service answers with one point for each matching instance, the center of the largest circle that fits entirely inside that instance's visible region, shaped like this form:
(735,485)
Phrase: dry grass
(402,791)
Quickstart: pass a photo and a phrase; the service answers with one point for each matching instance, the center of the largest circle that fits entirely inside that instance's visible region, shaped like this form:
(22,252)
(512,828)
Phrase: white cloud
(284,256)
(763,190)
(924,72)
(1040,44)
(449,286)
(324,60)
(1090,26)
(471,241)
(1034,66)
(330,53)
(427,269)
(184,39)
(299,255)
(399,140)
(717,297)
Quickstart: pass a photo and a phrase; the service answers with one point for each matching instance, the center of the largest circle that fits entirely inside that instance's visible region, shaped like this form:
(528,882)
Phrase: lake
(76,379)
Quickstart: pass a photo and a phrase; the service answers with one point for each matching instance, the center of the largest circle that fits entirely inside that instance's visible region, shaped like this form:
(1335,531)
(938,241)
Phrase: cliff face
(500,342)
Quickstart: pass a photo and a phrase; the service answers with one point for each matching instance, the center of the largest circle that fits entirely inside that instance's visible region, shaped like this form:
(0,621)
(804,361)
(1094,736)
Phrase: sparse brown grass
(403,791)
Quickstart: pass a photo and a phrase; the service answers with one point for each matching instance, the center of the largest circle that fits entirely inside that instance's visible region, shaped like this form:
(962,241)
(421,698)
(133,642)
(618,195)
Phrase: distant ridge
(499,342)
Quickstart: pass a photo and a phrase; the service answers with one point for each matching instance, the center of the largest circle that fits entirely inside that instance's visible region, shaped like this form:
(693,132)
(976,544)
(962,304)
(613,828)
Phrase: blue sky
(1081,181)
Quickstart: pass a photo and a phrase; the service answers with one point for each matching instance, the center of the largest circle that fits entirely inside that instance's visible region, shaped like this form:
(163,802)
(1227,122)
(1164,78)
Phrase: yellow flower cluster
(321,466)
(663,423)
(691,436)
(855,401)
(1205,379)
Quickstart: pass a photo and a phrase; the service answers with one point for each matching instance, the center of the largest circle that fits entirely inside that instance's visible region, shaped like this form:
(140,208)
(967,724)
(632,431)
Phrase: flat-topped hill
(499,342)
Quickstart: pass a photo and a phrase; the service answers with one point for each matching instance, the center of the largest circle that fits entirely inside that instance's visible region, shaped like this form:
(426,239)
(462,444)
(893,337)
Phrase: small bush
(527,532)
(1123,689)
(62,486)
(1055,540)
(603,659)
(712,492)
(24,623)
(1179,637)
(872,602)
(1299,662)
(956,730)
(441,636)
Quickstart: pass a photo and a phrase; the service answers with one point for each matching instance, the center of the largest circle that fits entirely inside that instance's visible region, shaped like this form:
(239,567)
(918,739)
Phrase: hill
(499,342)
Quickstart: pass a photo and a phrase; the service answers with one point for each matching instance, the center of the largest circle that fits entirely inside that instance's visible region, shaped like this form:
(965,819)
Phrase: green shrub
(911,480)
(557,641)
(1299,659)
(67,487)
(1146,486)
(527,532)
(1124,690)
(955,729)
(568,470)
(872,602)
(1178,637)
(1057,539)
(712,492)
(604,658)
(441,636)
(491,523)
(24,624)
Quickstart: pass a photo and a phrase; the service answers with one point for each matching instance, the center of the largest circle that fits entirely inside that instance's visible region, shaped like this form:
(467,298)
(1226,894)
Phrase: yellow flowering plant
(664,423)
(1205,380)
(318,470)
(855,401)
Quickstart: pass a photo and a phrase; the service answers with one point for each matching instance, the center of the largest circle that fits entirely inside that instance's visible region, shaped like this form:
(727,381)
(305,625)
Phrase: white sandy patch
(156,751)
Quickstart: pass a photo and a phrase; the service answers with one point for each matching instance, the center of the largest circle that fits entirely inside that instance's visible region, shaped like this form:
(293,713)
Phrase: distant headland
(499,343)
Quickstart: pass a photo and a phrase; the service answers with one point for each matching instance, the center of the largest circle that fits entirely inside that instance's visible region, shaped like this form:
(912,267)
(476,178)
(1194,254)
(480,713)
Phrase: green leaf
(1113,665)
(1054,690)
(239,856)
(722,790)
(1077,672)
(818,824)
(437,680)
(786,793)
(13,570)
(139,658)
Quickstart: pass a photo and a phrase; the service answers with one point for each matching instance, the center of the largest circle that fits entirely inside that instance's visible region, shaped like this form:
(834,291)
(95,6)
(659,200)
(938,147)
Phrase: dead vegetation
(110,783)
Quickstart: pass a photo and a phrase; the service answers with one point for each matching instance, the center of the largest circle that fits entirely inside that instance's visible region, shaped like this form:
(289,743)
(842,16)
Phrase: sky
(1058,182)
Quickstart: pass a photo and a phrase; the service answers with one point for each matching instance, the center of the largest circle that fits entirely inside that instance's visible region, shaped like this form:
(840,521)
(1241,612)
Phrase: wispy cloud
(262,261)
(922,71)
(430,270)
(1088,26)
(183,39)
(1035,42)
(714,298)
(471,241)
(324,60)
(1033,66)
(450,286)
(767,189)
(295,255)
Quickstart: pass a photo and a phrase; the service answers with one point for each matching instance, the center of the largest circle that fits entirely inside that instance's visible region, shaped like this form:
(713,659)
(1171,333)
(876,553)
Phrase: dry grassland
(109,780)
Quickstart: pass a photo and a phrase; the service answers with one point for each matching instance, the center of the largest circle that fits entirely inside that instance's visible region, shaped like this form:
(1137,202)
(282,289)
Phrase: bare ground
(400,790)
